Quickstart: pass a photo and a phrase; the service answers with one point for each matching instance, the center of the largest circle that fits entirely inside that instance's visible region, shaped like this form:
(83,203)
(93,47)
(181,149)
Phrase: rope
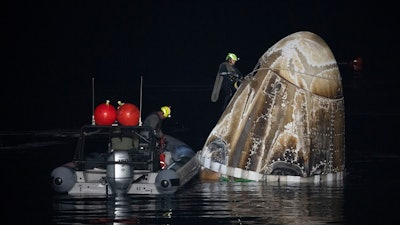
(256,69)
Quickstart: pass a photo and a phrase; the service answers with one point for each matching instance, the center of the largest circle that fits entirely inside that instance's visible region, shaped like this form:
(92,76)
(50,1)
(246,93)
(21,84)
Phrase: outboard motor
(119,171)
(63,178)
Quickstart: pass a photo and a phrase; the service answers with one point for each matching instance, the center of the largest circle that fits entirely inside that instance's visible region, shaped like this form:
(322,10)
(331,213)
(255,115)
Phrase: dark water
(369,194)
(212,203)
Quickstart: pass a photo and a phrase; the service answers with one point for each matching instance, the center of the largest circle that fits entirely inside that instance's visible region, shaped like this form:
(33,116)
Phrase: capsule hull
(287,119)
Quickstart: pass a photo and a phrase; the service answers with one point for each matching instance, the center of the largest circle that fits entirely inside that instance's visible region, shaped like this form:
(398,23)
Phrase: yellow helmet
(232,56)
(166,111)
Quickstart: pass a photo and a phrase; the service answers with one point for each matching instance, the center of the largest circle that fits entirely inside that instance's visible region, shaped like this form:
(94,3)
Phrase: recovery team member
(228,79)
(154,120)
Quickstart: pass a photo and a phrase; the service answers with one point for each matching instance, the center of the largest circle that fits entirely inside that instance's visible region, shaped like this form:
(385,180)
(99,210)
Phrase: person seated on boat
(154,121)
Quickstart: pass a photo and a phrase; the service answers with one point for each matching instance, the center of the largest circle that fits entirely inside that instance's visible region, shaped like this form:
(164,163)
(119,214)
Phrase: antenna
(93,122)
(140,103)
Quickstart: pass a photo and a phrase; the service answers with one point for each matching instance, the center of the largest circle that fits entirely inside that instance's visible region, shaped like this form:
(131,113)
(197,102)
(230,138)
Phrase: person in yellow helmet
(154,121)
(170,148)
(228,79)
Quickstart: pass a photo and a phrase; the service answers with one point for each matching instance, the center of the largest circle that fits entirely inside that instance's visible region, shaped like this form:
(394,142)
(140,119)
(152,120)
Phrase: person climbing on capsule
(228,79)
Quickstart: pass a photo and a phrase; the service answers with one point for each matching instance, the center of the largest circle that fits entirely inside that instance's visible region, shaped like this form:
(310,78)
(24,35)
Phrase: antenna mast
(140,103)
(93,122)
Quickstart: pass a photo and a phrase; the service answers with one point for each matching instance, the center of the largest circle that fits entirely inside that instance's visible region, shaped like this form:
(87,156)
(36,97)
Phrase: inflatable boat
(121,160)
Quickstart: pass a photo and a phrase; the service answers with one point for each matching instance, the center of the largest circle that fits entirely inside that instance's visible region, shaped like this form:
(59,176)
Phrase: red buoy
(128,114)
(105,114)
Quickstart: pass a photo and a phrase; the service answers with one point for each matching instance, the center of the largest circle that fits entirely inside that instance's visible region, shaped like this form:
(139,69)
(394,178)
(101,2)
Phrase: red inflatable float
(105,114)
(128,114)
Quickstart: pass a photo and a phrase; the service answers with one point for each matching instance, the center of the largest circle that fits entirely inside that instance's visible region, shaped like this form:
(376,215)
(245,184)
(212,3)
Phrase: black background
(55,51)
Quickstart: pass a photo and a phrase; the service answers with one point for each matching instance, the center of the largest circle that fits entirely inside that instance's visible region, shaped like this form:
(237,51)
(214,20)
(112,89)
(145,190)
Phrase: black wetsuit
(231,75)
(154,121)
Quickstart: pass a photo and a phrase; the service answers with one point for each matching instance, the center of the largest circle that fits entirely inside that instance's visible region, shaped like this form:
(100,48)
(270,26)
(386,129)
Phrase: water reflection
(210,202)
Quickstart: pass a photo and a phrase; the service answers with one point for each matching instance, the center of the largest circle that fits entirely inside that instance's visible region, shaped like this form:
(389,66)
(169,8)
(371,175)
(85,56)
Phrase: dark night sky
(54,48)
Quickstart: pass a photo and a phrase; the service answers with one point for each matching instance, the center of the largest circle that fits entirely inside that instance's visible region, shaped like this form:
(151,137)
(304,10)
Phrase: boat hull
(119,160)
